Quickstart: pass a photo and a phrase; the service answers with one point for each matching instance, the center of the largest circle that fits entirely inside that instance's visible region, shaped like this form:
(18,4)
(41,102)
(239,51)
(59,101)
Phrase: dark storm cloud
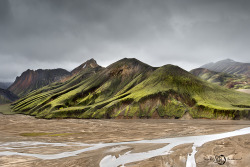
(63,33)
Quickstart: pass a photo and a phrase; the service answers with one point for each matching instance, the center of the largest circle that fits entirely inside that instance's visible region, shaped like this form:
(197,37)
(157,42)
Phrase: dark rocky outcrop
(31,80)
(7,96)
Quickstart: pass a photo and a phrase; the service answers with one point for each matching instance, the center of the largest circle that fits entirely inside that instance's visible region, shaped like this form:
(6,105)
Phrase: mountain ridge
(91,63)
(87,65)
(31,80)
(130,88)
(227,73)
(229,66)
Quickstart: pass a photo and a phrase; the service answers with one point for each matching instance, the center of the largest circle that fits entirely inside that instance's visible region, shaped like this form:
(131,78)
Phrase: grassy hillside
(5,109)
(131,89)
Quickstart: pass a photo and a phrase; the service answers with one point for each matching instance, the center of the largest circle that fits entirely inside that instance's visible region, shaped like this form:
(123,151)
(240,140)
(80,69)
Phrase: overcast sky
(65,33)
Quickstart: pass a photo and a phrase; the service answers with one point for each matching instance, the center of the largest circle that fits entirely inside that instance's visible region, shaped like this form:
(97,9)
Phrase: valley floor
(21,134)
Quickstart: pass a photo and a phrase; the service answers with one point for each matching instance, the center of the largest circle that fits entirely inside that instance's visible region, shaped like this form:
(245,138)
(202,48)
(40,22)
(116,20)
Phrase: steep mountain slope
(31,80)
(89,64)
(229,66)
(129,88)
(5,85)
(228,80)
(6,96)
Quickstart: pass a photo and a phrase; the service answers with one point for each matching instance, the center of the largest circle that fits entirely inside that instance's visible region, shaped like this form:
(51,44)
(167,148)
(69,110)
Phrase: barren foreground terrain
(244,90)
(29,138)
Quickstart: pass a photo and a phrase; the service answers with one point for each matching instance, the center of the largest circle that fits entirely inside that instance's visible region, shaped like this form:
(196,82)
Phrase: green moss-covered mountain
(129,88)
(32,80)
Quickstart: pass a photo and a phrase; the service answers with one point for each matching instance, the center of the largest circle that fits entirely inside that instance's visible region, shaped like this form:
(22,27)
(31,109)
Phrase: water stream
(112,161)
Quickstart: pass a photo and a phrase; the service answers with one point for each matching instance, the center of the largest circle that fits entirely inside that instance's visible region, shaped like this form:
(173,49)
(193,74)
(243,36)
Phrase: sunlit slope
(131,89)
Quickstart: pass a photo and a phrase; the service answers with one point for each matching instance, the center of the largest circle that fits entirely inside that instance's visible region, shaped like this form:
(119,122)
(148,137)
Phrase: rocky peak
(91,63)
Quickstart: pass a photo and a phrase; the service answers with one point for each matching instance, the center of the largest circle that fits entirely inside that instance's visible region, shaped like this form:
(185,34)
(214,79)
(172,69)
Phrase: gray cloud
(61,33)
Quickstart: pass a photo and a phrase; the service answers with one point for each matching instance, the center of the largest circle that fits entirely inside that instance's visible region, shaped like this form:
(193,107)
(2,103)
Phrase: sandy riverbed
(21,128)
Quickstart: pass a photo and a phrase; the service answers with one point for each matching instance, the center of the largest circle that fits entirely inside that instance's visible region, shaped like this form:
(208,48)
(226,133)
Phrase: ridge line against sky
(46,34)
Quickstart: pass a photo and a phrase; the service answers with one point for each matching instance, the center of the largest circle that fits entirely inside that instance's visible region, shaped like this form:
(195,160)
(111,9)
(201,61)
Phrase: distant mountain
(228,80)
(6,96)
(31,80)
(229,66)
(228,73)
(130,88)
(5,85)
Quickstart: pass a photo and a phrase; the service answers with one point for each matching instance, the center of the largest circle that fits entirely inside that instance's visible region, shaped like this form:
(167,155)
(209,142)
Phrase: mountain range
(229,66)
(226,73)
(130,88)
(31,80)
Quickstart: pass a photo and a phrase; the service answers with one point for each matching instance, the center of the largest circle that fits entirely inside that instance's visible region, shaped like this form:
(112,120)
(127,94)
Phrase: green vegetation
(5,109)
(4,100)
(63,134)
(34,134)
(132,89)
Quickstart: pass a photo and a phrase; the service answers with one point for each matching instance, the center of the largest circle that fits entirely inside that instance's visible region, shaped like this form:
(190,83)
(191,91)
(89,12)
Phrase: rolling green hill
(129,88)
